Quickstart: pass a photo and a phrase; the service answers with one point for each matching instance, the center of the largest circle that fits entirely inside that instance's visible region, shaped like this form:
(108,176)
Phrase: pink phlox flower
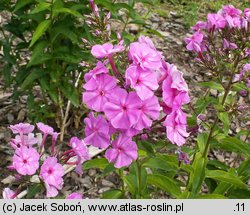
(75,195)
(175,90)
(247,13)
(22,128)
(26,160)
(29,140)
(99,69)
(123,152)
(200,25)
(149,110)
(144,82)
(123,109)
(9,194)
(230,10)
(52,173)
(81,151)
(103,51)
(233,22)
(45,128)
(228,45)
(215,21)
(194,43)
(97,131)
(144,56)
(98,91)
(176,125)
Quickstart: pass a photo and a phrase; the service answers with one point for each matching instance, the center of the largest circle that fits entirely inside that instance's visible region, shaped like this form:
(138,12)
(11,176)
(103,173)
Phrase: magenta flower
(52,173)
(75,195)
(144,82)
(22,128)
(26,160)
(149,109)
(194,42)
(144,56)
(123,152)
(80,150)
(230,10)
(9,194)
(215,21)
(247,13)
(98,91)
(176,124)
(29,140)
(175,90)
(228,45)
(105,50)
(233,22)
(97,131)
(122,109)
(99,69)
(200,25)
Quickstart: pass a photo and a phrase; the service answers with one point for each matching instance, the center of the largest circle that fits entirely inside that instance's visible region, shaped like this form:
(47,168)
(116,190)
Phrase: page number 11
(240,207)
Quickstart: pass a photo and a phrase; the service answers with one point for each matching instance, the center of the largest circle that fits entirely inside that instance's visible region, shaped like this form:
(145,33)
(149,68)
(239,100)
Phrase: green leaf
(198,175)
(239,194)
(112,194)
(100,163)
(33,190)
(41,7)
(71,93)
(224,117)
(225,177)
(165,183)
(233,144)
(41,28)
(38,56)
(212,85)
(34,75)
(202,140)
(162,162)
(147,147)
(67,11)
(211,196)
(21,3)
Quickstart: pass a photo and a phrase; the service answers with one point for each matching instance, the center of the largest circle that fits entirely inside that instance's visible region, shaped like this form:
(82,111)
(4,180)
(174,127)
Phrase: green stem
(227,90)
(122,180)
(139,177)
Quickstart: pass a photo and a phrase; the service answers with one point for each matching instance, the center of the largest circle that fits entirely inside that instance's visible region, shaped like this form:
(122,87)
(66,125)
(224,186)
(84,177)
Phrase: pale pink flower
(105,50)
(29,140)
(80,151)
(123,152)
(26,160)
(45,128)
(75,195)
(144,82)
(97,131)
(176,124)
(9,194)
(194,43)
(122,109)
(52,173)
(22,128)
(233,22)
(247,13)
(144,56)
(98,91)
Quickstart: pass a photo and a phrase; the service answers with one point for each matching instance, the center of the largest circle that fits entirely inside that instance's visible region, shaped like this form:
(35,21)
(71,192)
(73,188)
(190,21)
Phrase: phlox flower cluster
(126,103)
(31,158)
(223,38)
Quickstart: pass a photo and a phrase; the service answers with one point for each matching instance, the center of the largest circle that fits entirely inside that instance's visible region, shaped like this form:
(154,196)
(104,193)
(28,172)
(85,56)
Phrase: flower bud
(242,108)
